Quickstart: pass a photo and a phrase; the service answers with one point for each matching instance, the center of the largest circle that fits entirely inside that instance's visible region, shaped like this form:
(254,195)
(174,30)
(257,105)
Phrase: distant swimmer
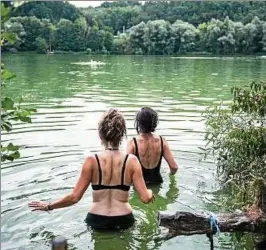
(150,148)
(110,173)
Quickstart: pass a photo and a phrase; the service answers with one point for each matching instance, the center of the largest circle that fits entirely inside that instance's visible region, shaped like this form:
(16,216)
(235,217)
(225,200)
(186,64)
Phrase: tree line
(127,27)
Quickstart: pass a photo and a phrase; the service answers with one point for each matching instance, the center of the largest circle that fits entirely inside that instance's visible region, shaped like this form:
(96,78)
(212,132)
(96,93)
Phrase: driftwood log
(186,223)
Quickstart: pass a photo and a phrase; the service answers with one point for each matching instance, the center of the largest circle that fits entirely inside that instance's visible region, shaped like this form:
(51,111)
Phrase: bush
(237,138)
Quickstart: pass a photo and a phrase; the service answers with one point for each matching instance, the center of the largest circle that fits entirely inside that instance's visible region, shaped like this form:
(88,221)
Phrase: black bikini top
(157,167)
(122,186)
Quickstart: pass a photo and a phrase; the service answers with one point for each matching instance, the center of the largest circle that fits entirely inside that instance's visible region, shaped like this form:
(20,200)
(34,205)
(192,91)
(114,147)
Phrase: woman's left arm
(168,156)
(74,196)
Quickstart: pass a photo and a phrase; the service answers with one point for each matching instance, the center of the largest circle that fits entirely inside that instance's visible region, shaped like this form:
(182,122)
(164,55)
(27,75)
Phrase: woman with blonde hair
(110,173)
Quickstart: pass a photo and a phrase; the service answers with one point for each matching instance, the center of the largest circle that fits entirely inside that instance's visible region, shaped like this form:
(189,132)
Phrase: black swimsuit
(97,221)
(152,175)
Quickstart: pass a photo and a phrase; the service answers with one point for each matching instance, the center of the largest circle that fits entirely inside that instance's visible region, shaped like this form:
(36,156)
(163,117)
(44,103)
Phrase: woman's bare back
(149,150)
(111,201)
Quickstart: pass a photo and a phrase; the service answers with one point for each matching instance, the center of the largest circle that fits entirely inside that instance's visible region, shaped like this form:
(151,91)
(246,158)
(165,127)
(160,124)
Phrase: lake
(70,94)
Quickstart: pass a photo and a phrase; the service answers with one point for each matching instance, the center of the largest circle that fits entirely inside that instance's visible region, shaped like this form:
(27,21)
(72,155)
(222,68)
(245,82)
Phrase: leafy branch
(10,111)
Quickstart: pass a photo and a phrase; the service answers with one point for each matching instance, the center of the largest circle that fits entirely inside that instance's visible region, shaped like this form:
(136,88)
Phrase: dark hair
(146,120)
(112,127)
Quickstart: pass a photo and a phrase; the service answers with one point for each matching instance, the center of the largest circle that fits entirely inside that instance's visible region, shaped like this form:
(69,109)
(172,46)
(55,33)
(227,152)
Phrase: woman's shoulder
(132,159)
(90,159)
(92,156)
(131,140)
(158,137)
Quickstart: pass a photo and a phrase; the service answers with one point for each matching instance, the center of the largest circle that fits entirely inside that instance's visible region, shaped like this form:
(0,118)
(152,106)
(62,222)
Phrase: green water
(70,97)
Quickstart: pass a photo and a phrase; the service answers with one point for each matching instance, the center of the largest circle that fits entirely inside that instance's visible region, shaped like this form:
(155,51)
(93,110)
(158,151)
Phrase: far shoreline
(191,55)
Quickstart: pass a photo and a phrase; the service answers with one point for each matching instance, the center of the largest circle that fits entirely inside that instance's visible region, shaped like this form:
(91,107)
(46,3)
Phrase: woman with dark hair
(110,174)
(149,147)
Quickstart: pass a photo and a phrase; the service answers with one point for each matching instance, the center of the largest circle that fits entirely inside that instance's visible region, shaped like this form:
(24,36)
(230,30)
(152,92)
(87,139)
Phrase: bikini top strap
(161,146)
(99,168)
(136,147)
(123,170)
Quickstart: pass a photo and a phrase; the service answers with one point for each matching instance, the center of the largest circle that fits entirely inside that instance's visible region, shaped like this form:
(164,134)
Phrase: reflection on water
(70,94)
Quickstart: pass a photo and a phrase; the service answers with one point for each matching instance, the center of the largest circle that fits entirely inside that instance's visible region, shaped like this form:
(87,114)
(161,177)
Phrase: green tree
(121,44)
(137,36)
(108,40)
(52,10)
(157,37)
(65,36)
(33,27)
(82,30)
(41,45)
(49,33)
(210,34)
(240,37)
(257,42)
(17,29)
(96,39)
(184,36)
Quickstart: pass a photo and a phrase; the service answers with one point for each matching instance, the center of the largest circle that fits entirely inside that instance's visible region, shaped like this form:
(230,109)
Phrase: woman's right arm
(73,197)
(146,195)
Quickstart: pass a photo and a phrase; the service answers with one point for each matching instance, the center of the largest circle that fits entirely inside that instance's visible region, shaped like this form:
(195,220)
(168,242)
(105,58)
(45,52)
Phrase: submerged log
(186,223)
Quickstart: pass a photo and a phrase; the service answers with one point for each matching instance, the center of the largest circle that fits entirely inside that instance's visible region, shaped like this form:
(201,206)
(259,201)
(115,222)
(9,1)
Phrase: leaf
(10,37)
(10,157)
(4,12)
(7,126)
(3,158)
(32,110)
(24,119)
(8,103)
(15,155)
(11,147)
(6,75)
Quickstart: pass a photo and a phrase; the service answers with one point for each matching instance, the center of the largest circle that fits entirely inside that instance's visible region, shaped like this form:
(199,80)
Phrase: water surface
(70,95)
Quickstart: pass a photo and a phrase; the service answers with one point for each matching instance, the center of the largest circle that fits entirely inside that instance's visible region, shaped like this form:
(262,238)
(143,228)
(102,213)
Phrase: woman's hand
(152,197)
(38,205)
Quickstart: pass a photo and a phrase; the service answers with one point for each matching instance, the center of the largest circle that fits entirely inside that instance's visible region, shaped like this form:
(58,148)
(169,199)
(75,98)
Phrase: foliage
(160,37)
(32,27)
(10,112)
(124,13)
(52,10)
(237,138)
(184,36)
(121,44)
(41,45)
(160,28)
